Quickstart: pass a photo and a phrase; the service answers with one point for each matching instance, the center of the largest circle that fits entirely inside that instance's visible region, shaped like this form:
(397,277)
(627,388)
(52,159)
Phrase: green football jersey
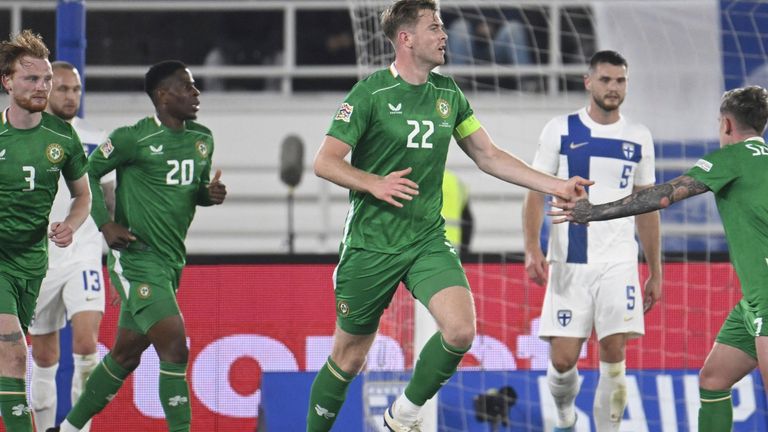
(162,176)
(31,162)
(738,176)
(392,125)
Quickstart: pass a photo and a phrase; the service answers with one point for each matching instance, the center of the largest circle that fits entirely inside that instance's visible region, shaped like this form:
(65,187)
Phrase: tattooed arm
(644,201)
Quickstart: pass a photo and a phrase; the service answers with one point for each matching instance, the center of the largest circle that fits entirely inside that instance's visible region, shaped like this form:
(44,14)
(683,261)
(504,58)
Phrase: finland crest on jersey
(616,157)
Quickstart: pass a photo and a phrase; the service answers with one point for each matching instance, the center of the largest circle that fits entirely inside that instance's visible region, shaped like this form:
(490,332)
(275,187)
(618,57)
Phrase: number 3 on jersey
(416,130)
(182,172)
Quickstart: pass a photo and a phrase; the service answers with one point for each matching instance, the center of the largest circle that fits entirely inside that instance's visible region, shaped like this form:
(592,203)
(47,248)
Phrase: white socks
(564,388)
(84,366)
(43,396)
(405,411)
(66,427)
(611,396)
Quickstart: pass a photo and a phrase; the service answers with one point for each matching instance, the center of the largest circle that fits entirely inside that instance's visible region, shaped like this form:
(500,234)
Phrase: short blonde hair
(23,44)
(403,13)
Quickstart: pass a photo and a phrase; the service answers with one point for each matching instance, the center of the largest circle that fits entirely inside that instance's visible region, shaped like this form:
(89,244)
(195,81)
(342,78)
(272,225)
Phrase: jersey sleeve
(645,175)
(351,120)
(76,164)
(112,175)
(715,169)
(466,122)
(547,158)
(117,150)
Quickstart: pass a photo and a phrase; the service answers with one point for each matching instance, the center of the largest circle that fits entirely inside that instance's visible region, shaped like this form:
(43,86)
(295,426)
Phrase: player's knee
(460,336)
(85,344)
(710,379)
(563,364)
(128,360)
(352,365)
(173,352)
(44,357)
(15,360)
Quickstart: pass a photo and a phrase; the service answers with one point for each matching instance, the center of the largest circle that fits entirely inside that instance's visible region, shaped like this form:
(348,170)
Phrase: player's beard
(61,112)
(601,102)
(30,104)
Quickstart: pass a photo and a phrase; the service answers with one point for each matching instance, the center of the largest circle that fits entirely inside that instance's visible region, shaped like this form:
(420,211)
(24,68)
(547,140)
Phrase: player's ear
(404,38)
(6,83)
(728,125)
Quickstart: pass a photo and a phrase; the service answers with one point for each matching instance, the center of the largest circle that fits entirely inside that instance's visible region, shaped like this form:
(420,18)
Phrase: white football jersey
(616,157)
(87,239)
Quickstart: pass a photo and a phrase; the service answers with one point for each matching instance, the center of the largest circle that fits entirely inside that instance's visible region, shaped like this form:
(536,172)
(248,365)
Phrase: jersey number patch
(416,130)
(30,179)
(182,172)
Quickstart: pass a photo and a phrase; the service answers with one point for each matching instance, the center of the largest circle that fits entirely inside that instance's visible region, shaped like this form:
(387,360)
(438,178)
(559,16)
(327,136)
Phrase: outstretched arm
(644,201)
(505,166)
(331,165)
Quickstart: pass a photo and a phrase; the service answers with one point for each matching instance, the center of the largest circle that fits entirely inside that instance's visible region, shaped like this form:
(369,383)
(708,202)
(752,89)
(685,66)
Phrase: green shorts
(18,296)
(366,281)
(147,289)
(742,326)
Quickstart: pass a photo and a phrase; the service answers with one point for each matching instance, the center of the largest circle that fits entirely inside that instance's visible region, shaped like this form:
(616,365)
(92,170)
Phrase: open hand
(579,211)
(395,185)
(217,191)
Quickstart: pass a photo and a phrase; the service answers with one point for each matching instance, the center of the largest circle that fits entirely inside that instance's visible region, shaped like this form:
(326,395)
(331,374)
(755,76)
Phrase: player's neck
(20,118)
(170,121)
(411,72)
(601,116)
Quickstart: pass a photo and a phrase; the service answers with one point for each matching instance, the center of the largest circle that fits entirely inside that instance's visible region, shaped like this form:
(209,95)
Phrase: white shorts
(66,291)
(578,296)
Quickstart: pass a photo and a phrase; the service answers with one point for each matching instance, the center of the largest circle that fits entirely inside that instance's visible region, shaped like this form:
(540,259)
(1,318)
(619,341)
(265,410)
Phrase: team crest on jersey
(2,154)
(564,317)
(343,308)
(628,149)
(443,108)
(106,148)
(54,152)
(202,148)
(144,291)
(345,112)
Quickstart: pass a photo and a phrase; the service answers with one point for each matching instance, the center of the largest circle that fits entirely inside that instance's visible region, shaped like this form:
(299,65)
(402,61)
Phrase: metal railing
(289,69)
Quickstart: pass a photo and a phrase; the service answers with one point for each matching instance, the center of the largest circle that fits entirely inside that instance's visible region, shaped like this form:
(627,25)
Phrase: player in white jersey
(591,272)
(74,287)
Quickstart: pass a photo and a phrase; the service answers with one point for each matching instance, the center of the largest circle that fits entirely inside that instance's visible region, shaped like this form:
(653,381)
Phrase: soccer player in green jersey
(163,165)
(737,174)
(36,148)
(398,124)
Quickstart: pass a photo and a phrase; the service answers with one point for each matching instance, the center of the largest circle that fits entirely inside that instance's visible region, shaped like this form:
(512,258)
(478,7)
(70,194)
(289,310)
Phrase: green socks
(100,388)
(716,412)
(174,396)
(436,365)
(326,397)
(17,415)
